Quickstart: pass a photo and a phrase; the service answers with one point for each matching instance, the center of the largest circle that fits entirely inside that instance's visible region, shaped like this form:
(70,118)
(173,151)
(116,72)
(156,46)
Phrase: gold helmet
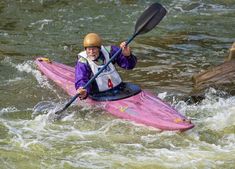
(92,39)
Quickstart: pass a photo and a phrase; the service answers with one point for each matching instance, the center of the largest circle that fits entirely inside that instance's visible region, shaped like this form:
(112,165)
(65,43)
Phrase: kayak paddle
(146,22)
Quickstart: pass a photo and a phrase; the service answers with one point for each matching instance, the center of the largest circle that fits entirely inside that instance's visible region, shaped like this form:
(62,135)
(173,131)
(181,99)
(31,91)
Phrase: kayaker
(93,58)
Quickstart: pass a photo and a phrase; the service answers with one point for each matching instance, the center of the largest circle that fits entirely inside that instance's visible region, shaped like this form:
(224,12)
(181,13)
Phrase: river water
(195,35)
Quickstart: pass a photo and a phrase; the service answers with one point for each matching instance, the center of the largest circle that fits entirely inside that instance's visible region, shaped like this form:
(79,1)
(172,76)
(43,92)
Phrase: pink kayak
(142,108)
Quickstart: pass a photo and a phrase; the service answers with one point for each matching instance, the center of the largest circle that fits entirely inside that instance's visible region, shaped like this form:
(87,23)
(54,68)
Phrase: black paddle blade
(150,18)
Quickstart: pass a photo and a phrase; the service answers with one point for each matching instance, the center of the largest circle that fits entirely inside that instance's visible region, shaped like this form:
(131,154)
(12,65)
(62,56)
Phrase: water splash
(30,68)
(42,23)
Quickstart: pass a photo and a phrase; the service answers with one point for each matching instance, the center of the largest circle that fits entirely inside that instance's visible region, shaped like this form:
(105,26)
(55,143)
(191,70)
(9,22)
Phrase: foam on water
(147,147)
(10,81)
(28,67)
(8,109)
(204,8)
(42,23)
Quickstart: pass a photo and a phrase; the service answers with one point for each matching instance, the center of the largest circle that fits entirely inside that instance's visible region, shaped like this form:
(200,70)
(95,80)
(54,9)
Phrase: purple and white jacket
(83,70)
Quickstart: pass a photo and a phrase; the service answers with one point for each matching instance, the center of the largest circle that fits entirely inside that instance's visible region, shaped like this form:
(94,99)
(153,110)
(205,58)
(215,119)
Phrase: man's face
(93,52)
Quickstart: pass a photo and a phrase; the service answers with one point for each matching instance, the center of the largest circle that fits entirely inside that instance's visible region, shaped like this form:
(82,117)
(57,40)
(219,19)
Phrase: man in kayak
(93,58)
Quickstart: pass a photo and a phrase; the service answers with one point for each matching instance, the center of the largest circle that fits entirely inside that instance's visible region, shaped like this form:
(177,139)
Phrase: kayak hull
(143,108)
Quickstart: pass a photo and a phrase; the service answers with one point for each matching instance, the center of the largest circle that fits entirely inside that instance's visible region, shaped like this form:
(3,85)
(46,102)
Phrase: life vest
(109,77)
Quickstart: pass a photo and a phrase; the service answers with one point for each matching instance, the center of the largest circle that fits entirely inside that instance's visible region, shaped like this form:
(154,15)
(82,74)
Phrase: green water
(193,36)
